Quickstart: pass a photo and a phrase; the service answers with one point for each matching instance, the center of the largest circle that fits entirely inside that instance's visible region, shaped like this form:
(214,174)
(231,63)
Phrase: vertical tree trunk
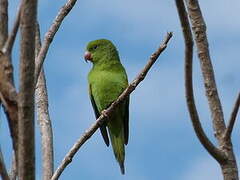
(26,143)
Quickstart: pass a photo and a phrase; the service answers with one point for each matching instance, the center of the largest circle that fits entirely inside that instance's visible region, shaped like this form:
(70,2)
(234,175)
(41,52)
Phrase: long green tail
(117,140)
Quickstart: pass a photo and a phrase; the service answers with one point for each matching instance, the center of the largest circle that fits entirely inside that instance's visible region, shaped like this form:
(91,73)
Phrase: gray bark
(44,119)
(26,143)
(224,153)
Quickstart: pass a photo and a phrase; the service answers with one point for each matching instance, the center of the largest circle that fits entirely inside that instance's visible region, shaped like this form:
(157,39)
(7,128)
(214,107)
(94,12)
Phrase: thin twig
(63,12)
(3,170)
(12,36)
(41,97)
(232,120)
(88,133)
(3,22)
(215,152)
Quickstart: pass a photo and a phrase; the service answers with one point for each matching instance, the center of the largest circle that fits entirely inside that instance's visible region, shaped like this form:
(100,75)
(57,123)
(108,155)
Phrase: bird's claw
(104,113)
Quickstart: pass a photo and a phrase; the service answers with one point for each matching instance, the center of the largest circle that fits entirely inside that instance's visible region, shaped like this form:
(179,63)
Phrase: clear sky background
(162,142)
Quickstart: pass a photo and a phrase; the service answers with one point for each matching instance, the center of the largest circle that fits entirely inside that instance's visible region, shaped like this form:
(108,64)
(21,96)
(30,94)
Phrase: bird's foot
(105,114)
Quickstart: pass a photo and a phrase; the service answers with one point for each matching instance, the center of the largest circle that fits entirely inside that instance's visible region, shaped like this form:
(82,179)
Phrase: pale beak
(87,56)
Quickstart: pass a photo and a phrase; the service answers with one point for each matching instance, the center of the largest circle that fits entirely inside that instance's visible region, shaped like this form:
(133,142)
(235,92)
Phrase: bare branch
(11,37)
(9,96)
(44,119)
(13,172)
(232,120)
(50,35)
(229,165)
(88,133)
(26,134)
(7,88)
(3,22)
(199,30)
(215,152)
(3,170)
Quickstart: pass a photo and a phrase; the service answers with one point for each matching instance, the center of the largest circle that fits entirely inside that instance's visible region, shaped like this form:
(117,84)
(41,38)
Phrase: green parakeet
(107,80)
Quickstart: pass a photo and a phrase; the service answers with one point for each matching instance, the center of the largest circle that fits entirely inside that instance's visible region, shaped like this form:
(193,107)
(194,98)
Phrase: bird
(107,80)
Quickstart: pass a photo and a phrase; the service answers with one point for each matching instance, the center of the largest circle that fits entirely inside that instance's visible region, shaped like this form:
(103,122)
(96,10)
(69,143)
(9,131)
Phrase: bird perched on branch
(107,80)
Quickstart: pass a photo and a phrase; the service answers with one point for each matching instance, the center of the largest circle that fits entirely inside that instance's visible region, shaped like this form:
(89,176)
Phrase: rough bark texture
(214,151)
(26,146)
(3,170)
(199,30)
(44,119)
(229,166)
(9,96)
(3,22)
(45,127)
(13,171)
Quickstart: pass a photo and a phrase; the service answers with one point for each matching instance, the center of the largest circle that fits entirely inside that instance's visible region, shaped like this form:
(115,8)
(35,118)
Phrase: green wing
(126,121)
(103,128)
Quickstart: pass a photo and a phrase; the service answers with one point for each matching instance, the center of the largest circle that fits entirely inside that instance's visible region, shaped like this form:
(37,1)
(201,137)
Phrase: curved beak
(87,56)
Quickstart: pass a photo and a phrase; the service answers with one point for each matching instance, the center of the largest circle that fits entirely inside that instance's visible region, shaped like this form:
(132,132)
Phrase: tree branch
(9,96)
(215,152)
(3,170)
(44,119)
(88,133)
(11,37)
(7,88)
(229,165)
(50,35)
(13,172)
(199,30)
(232,120)
(26,134)
(3,22)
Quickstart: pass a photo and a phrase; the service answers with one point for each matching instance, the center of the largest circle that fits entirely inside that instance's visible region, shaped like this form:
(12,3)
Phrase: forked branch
(199,30)
(224,154)
(8,94)
(215,152)
(88,133)
(232,120)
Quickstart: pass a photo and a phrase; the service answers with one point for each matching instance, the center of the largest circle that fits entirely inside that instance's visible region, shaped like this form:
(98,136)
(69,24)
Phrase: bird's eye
(95,47)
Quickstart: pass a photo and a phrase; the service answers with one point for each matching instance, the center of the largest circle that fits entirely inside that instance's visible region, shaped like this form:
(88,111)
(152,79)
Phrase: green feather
(107,80)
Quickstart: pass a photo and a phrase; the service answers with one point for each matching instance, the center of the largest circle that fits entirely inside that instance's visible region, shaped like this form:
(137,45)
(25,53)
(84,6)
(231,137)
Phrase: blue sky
(162,142)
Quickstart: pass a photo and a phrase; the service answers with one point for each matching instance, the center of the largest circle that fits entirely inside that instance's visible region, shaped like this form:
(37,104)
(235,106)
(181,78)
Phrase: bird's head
(100,50)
